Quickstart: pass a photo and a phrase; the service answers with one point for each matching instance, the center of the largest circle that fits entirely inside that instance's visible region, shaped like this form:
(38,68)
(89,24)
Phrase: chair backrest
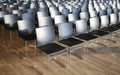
(41,14)
(65,12)
(109,11)
(84,15)
(25,27)
(45,35)
(119,17)
(75,11)
(65,30)
(54,13)
(102,12)
(59,19)
(10,19)
(113,19)
(116,10)
(45,21)
(2,13)
(81,27)
(94,23)
(72,17)
(18,12)
(93,14)
(28,16)
(104,21)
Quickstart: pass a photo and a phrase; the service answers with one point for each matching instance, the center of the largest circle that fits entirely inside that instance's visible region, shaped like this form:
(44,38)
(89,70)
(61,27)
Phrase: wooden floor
(100,60)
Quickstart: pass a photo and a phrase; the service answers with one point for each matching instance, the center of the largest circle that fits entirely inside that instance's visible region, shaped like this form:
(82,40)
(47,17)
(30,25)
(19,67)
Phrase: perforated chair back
(45,35)
(65,30)
(94,23)
(81,27)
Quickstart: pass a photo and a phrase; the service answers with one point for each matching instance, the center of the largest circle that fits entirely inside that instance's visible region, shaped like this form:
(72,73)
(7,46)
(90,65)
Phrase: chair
(45,42)
(65,31)
(10,23)
(26,30)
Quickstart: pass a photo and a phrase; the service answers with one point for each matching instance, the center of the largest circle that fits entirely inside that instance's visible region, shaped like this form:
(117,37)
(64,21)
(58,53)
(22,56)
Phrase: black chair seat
(51,48)
(28,37)
(2,21)
(99,33)
(71,41)
(14,27)
(87,37)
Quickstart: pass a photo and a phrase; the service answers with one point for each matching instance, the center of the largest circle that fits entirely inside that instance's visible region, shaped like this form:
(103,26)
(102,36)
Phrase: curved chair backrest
(113,19)
(109,11)
(31,11)
(75,11)
(22,8)
(45,21)
(41,14)
(52,9)
(84,15)
(18,12)
(72,17)
(104,21)
(10,19)
(84,9)
(65,12)
(94,23)
(2,13)
(45,35)
(119,17)
(116,10)
(28,16)
(65,30)
(59,19)
(54,13)
(81,27)
(44,9)
(25,27)
(102,12)
(93,14)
